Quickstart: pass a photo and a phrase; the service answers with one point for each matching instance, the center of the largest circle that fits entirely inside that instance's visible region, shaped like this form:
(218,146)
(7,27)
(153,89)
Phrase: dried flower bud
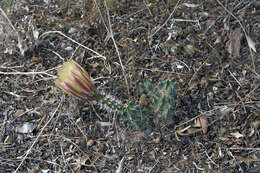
(74,80)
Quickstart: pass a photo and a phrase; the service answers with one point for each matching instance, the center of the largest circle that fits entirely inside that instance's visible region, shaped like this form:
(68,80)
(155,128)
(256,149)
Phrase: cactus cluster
(162,97)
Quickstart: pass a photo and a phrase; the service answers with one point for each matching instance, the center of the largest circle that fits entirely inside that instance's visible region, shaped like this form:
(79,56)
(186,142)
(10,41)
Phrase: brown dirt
(200,45)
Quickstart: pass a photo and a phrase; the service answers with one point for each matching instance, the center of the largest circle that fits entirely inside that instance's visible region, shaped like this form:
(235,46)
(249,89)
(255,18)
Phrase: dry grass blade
(117,50)
(59,32)
(38,136)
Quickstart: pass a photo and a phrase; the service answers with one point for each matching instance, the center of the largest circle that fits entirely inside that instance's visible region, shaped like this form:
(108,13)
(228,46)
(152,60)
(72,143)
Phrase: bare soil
(209,48)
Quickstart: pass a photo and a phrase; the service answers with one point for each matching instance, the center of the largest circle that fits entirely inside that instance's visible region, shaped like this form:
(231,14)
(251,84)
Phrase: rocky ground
(209,48)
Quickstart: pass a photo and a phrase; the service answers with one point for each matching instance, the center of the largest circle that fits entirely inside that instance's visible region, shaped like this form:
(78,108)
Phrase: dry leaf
(225,110)
(189,49)
(215,89)
(81,161)
(130,157)
(233,45)
(191,5)
(143,101)
(18,113)
(90,142)
(45,170)
(94,65)
(157,140)
(250,43)
(193,130)
(210,23)
(218,40)
(252,132)
(256,124)
(197,123)
(46,95)
(34,58)
(204,124)
(237,135)
(25,128)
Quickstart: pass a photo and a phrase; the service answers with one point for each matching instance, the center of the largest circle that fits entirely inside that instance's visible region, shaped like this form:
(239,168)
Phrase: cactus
(135,117)
(74,80)
(163,101)
(163,98)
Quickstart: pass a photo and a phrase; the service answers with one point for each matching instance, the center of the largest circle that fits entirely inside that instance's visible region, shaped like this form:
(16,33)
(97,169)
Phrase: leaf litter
(218,99)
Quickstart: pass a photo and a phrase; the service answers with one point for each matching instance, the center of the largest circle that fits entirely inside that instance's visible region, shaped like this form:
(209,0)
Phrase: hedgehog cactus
(74,80)
(135,117)
(163,101)
(162,96)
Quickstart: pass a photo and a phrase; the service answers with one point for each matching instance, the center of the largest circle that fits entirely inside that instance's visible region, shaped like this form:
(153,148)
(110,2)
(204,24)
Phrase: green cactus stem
(135,117)
(161,110)
(163,98)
